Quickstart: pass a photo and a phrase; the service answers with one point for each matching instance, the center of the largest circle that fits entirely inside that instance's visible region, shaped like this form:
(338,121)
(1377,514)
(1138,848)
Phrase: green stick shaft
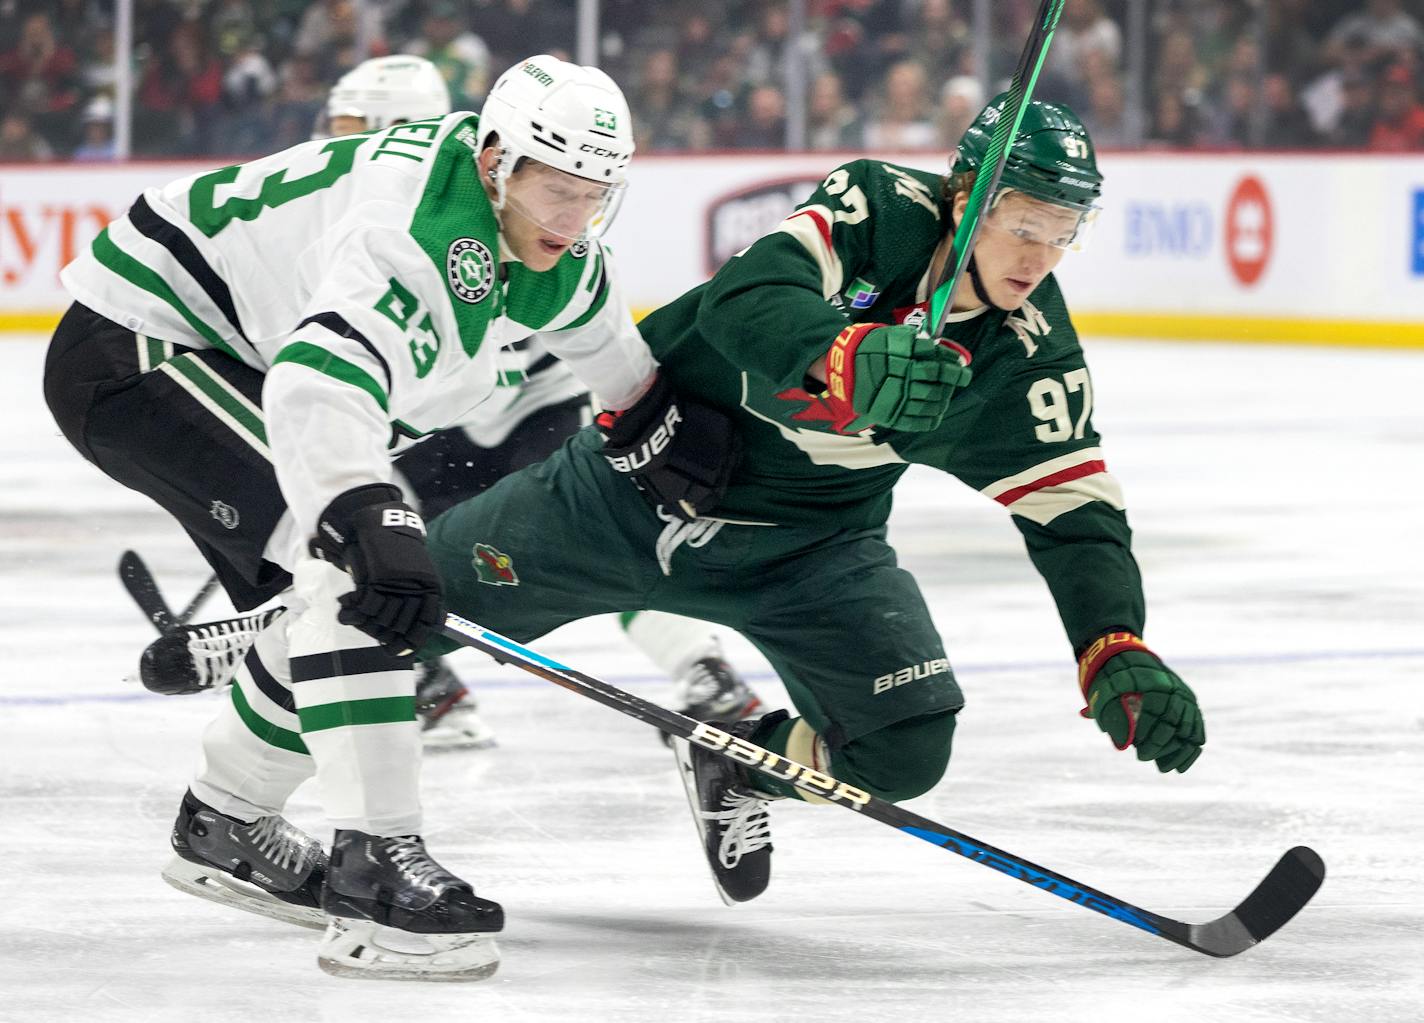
(986,182)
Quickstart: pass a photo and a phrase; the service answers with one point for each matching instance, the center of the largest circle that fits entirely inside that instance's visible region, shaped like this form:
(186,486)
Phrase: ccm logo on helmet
(593,150)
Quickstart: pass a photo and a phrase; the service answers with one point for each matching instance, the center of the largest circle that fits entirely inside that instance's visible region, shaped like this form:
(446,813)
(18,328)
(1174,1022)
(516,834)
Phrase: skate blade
(215,886)
(363,949)
(682,749)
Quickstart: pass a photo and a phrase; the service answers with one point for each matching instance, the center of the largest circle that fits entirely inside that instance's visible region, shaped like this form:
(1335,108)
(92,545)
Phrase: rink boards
(1303,248)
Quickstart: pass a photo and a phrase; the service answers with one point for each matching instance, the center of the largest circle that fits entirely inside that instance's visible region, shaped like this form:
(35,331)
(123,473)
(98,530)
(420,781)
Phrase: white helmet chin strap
(503,168)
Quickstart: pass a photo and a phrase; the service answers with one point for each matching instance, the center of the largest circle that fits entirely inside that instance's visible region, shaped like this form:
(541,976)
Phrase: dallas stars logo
(493,567)
(469,266)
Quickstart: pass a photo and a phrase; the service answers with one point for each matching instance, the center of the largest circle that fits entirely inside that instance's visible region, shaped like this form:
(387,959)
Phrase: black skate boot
(449,715)
(396,914)
(730,814)
(711,690)
(268,867)
(193,658)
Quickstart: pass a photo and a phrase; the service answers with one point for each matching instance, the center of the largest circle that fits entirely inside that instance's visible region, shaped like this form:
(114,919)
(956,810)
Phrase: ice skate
(396,914)
(268,867)
(731,817)
(449,715)
(194,658)
(711,690)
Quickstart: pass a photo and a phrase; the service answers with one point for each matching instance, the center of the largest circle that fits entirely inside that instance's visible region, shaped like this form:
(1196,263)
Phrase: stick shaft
(986,182)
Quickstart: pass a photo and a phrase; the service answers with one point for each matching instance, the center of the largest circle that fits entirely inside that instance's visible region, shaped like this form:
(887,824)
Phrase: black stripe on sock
(269,686)
(152,226)
(338,325)
(366,660)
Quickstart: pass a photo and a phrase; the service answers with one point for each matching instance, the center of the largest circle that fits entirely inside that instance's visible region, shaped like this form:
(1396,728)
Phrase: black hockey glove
(372,534)
(680,453)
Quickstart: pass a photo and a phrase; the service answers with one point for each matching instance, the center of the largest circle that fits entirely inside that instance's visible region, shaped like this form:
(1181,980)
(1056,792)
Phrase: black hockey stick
(143,588)
(1286,889)
(986,182)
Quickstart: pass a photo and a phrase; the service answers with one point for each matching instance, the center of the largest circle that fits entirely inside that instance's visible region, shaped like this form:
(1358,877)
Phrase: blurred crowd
(239,77)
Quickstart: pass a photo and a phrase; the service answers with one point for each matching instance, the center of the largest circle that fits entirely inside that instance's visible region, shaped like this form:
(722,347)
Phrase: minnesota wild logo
(862,294)
(469,266)
(493,567)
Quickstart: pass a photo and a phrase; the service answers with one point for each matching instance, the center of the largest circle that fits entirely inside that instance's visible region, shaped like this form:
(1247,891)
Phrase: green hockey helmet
(1051,159)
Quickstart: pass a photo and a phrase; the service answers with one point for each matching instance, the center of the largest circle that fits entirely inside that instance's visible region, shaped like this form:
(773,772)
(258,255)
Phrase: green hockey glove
(878,375)
(1139,701)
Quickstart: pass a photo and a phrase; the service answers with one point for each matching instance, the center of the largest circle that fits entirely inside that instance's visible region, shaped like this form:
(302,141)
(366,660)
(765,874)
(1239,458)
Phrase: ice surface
(1276,495)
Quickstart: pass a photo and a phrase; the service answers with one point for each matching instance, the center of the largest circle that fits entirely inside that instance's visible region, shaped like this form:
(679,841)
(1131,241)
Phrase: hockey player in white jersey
(537,404)
(248,347)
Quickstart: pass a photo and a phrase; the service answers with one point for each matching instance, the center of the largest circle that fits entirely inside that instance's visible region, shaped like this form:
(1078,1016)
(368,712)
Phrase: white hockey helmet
(567,116)
(389,90)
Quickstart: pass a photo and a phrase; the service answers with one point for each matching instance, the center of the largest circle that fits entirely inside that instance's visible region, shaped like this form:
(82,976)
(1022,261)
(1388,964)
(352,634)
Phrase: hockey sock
(671,642)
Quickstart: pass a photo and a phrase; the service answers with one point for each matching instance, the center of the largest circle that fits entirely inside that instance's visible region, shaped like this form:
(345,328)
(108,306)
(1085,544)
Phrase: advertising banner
(1322,248)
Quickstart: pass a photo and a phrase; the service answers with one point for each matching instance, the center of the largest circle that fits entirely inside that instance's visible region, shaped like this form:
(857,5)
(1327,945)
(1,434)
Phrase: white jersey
(364,275)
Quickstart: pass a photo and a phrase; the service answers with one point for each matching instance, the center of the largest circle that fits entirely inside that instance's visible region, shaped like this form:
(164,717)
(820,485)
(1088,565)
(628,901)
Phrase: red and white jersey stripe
(1045,491)
(811,226)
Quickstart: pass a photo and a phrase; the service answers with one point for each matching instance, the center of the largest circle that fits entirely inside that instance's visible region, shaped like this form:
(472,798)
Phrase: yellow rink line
(1146,326)
(1252,329)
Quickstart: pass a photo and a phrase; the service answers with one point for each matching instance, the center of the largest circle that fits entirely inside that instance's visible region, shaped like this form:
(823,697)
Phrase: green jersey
(1021,433)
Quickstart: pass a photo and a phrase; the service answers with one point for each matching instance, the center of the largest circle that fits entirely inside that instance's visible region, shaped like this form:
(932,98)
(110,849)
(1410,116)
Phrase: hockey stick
(1286,889)
(143,588)
(1006,129)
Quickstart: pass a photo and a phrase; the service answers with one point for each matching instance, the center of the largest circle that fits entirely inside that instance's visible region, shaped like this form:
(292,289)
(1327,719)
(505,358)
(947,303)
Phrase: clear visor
(1036,222)
(560,204)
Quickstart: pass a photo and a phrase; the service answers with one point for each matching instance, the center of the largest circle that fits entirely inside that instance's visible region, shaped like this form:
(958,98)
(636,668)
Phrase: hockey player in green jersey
(811,341)
(248,347)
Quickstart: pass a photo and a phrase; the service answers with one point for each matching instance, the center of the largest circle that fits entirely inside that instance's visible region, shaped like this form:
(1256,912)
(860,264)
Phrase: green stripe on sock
(319,359)
(380,711)
(139,275)
(216,389)
(272,735)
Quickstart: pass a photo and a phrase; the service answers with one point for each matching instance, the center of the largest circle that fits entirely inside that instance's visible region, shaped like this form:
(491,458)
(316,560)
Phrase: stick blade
(1283,893)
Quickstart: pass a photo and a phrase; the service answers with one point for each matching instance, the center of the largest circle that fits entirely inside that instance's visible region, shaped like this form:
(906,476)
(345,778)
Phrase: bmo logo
(1248,230)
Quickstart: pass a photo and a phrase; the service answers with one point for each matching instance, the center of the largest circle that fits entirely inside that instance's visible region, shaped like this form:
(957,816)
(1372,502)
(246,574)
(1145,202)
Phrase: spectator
(772,48)
(461,57)
(1084,28)
(300,99)
(1106,114)
(18,141)
(960,101)
(178,95)
(1231,123)
(664,117)
(98,122)
(764,126)
(1286,124)
(1399,125)
(333,32)
(903,119)
(40,76)
(1383,28)
(831,122)
(940,38)
(248,86)
(1175,123)
(1355,119)
(514,29)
